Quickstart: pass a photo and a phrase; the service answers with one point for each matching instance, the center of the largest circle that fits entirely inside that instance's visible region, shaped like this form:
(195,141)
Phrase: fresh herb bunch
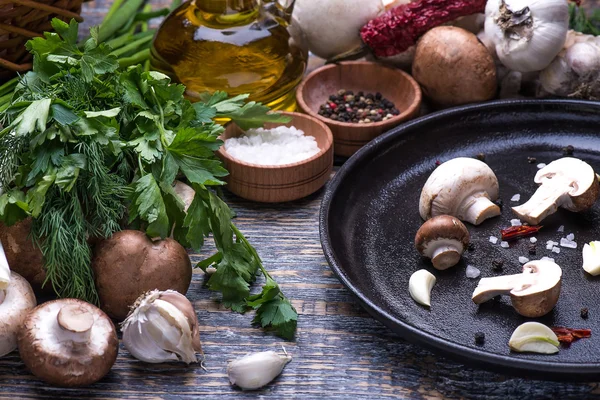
(87,144)
(580,21)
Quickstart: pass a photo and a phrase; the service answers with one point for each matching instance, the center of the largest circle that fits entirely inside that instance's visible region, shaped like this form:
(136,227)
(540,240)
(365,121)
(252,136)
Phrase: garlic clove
(534,337)
(253,371)
(162,326)
(591,258)
(4,269)
(420,285)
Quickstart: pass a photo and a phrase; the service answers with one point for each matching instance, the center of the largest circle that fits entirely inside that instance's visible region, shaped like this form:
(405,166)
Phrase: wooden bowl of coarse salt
(280,162)
(394,85)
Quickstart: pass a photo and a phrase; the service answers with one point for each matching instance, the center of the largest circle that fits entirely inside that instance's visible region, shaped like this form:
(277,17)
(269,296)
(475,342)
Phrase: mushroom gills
(444,253)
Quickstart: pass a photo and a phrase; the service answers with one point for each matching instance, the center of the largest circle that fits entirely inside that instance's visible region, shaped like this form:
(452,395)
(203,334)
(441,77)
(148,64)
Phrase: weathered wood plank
(340,352)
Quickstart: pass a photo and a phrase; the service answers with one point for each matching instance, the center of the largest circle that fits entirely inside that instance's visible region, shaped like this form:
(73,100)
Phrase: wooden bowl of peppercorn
(359,101)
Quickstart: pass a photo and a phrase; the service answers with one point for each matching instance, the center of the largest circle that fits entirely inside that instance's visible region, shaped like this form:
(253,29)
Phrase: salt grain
(556,249)
(277,146)
(547,259)
(571,236)
(561,228)
(516,197)
(541,165)
(533,240)
(493,239)
(472,272)
(516,222)
(564,242)
(523,260)
(504,244)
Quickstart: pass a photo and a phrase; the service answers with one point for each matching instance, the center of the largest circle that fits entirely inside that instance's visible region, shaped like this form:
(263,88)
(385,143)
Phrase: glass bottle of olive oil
(238,46)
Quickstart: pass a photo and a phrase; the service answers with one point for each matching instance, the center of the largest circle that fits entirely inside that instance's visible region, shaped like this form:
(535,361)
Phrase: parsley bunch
(88,148)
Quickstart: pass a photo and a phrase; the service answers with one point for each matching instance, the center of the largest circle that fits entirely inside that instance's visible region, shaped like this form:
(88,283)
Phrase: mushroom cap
(579,175)
(454,181)
(539,297)
(441,227)
(18,301)
(49,356)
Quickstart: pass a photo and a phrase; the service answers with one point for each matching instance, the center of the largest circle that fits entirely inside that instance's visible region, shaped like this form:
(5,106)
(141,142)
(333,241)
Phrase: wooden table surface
(340,351)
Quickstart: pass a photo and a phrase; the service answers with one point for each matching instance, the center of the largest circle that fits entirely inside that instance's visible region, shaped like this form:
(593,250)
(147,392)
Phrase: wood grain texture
(340,352)
(272,184)
(395,85)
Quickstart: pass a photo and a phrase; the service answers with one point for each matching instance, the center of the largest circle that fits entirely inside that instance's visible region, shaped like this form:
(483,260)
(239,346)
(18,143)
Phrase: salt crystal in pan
(556,249)
(523,260)
(493,239)
(571,236)
(561,228)
(541,165)
(533,240)
(516,222)
(472,272)
(516,197)
(504,244)
(568,243)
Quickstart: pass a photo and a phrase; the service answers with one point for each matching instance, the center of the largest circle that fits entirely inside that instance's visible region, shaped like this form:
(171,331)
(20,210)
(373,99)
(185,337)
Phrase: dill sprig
(581,21)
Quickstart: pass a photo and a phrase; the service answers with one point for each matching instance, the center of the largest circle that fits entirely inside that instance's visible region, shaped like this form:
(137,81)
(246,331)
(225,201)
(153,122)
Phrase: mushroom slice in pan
(462,187)
(568,182)
(443,239)
(68,342)
(533,293)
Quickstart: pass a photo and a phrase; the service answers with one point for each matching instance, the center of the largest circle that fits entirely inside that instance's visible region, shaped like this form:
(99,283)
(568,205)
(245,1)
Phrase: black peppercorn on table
(339,352)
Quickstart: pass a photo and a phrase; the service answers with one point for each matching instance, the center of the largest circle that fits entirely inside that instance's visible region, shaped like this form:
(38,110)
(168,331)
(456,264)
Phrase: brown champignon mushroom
(443,239)
(68,342)
(533,293)
(568,183)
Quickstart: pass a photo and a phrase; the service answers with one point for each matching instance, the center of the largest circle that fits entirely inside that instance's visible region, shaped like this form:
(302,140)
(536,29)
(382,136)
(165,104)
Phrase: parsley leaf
(278,314)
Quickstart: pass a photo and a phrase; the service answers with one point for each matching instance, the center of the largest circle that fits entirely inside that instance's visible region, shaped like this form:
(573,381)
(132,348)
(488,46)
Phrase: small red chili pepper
(568,335)
(515,232)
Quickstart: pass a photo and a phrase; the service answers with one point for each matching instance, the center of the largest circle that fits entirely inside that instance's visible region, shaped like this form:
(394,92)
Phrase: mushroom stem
(488,288)
(4,269)
(2,296)
(477,208)
(552,194)
(445,256)
(75,323)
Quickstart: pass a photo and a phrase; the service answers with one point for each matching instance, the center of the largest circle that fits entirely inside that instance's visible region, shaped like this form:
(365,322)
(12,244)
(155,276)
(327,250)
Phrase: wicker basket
(21,20)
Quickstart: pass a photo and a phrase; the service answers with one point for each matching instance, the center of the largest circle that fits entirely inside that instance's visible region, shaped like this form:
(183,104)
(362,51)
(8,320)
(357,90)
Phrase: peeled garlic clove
(162,327)
(591,258)
(4,269)
(534,337)
(420,285)
(256,370)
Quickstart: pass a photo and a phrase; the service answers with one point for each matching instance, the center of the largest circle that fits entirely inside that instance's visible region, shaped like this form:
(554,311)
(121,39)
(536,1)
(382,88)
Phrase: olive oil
(238,46)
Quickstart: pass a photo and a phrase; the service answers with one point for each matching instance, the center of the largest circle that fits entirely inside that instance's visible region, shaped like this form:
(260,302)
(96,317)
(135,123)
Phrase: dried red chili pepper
(568,335)
(515,232)
(398,29)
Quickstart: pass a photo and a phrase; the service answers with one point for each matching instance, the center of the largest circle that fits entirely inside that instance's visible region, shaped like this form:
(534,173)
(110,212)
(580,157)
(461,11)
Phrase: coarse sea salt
(472,272)
(493,239)
(556,249)
(523,260)
(504,244)
(561,228)
(516,222)
(533,240)
(571,237)
(541,165)
(516,197)
(564,242)
(547,259)
(277,146)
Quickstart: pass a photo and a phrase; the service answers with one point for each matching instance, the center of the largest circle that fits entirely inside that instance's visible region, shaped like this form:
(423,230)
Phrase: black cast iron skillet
(369,217)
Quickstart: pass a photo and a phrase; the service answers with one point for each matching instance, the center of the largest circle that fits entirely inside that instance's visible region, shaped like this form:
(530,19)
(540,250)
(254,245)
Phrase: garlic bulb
(256,370)
(575,72)
(527,34)
(162,327)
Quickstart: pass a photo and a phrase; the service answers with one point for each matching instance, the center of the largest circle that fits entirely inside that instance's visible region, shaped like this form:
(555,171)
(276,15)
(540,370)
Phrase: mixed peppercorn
(359,108)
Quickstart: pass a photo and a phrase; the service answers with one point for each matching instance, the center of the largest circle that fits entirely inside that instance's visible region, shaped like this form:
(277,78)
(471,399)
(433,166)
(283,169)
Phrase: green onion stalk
(125,29)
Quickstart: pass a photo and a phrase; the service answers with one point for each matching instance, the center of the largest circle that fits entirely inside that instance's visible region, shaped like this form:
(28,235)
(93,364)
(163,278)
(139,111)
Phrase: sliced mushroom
(568,183)
(443,239)
(464,188)
(68,343)
(533,293)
